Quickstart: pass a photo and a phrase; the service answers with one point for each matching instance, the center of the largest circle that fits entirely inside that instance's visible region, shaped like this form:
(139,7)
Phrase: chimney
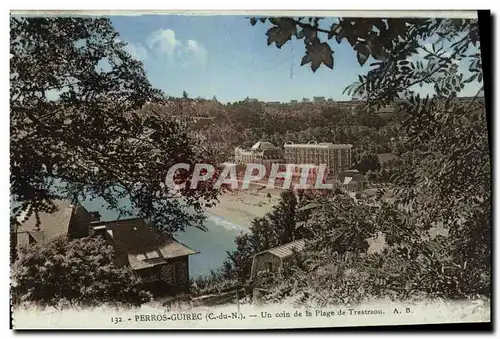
(95,216)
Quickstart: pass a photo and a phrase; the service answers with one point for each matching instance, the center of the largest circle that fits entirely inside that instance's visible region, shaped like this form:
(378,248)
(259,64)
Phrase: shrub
(81,272)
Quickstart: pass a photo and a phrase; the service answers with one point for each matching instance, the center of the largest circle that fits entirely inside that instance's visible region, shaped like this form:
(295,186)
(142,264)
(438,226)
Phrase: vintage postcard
(248,170)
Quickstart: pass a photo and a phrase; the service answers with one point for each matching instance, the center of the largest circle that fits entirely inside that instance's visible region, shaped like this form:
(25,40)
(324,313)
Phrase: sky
(224,56)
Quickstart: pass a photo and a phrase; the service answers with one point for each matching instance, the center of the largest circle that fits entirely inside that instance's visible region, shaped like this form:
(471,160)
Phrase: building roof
(347,180)
(144,246)
(50,225)
(350,177)
(286,250)
(320,145)
(262,145)
(23,239)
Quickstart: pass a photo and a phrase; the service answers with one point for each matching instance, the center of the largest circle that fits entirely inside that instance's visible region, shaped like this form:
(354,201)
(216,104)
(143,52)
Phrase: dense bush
(443,182)
(80,272)
(442,179)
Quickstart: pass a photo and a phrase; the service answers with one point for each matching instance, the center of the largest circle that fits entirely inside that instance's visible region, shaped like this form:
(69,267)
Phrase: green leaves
(284,29)
(89,138)
(80,272)
(311,206)
(317,55)
(361,58)
(334,30)
(281,33)
(362,53)
(253,20)
(306,59)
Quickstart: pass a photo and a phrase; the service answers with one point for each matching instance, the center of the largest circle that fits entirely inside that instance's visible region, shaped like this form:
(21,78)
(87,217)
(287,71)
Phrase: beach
(241,207)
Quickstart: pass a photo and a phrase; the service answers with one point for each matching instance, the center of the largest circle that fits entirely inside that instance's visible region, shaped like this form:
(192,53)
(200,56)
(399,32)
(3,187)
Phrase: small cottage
(158,259)
(274,259)
(161,261)
(352,181)
(71,220)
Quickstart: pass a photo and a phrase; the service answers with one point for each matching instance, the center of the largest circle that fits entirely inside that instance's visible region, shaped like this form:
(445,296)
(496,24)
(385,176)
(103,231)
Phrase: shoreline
(241,207)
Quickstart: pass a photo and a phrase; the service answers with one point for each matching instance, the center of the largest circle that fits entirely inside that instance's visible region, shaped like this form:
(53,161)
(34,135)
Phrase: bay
(212,243)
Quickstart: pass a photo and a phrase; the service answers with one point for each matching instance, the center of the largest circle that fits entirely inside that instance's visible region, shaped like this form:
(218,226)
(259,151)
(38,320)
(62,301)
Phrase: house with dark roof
(352,181)
(274,259)
(68,219)
(159,260)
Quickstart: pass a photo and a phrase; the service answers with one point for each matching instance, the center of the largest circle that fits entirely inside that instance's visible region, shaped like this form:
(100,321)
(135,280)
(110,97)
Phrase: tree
(446,181)
(185,95)
(74,97)
(368,162)
(389,42)
(80,272)
(444,176)
(278,227)
(339,224)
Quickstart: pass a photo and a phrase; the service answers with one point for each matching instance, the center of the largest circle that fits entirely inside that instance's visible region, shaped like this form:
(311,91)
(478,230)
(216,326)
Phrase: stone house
(159,260)
(68,219)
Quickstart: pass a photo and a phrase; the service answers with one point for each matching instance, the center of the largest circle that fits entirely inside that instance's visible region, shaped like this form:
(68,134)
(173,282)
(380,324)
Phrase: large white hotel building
(336,157)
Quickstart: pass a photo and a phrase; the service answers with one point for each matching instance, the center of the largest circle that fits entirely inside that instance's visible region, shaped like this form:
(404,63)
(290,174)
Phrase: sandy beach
(243,206)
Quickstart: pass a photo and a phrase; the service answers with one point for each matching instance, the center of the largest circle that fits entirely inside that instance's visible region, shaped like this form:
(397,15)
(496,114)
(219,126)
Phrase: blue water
(212,244)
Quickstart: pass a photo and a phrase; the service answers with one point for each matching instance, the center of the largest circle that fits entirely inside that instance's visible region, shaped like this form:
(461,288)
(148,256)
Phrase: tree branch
(311,27)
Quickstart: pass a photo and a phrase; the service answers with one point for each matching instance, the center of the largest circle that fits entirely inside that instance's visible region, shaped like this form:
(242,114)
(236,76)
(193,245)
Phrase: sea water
(212,243)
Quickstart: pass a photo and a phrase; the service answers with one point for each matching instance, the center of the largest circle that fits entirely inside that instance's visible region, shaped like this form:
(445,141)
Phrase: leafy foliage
(80,272)
(215,283)
(442,178)
(280,226)
(74,97)
(244,123)
(368,162)
(390,43)
(339,224)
